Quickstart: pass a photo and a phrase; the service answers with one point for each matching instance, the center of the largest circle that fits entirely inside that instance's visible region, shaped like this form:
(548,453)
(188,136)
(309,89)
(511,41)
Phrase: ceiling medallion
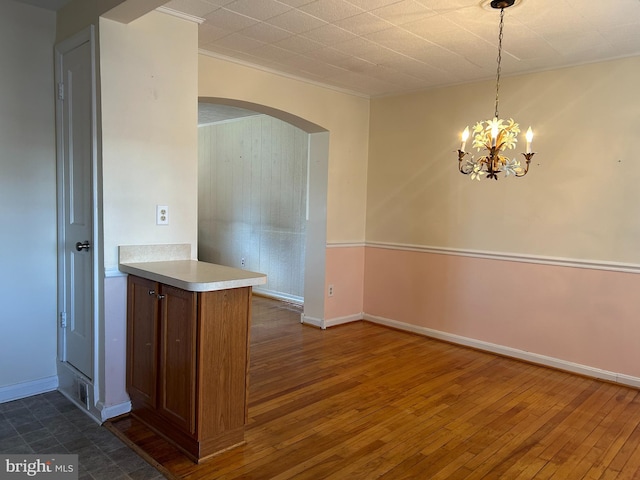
(491,5)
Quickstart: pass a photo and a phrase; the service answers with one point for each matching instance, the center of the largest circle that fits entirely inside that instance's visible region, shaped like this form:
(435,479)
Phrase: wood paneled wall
(252,199)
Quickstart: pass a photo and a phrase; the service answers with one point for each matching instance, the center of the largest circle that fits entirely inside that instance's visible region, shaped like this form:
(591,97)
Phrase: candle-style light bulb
(465,136)
(494,132)
(529,137)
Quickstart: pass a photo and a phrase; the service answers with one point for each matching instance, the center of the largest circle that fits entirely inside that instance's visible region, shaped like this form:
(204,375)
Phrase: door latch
(80,246)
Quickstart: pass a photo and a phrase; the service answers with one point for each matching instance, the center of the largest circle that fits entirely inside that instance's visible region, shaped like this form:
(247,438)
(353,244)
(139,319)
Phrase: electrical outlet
(162,215)
(242,262)
(330,290)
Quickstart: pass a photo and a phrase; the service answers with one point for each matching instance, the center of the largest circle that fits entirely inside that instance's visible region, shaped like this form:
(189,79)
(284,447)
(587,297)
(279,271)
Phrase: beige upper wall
(346,117)
(149,131)
(579,200)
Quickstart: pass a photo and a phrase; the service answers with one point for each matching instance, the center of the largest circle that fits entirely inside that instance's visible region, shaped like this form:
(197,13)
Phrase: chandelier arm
(461,165)
(528,157)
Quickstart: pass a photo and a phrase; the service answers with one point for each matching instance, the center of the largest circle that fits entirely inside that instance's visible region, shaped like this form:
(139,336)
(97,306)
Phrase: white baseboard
(316,322)
(628,380)
(510,352)
(107,412)
(28,389)
(285,297)
(332,322)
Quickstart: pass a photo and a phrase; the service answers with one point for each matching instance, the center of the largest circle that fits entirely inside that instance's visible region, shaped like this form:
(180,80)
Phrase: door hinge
(63,319)
(60,91)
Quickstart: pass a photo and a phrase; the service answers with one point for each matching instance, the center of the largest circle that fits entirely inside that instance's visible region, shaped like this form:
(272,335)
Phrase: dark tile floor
(49,423)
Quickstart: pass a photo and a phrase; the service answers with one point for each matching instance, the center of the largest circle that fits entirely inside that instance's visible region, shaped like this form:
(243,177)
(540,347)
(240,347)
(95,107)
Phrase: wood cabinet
(142,342)
(187,363)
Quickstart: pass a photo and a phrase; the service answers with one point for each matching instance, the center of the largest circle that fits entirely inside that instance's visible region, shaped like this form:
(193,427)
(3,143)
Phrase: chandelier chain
(499,59)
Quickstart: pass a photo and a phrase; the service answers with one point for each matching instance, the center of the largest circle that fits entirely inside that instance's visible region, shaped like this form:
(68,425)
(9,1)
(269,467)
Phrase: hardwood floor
(361,401)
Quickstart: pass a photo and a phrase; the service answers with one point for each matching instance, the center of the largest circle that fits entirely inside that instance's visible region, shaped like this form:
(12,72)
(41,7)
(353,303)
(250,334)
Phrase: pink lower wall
(344,270)
(585,316)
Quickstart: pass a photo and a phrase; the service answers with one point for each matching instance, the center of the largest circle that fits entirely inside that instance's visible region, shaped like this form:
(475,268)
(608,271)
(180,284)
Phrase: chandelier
(495,136)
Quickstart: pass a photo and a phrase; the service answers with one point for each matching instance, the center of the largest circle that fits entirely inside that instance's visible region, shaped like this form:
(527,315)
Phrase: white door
(75,127)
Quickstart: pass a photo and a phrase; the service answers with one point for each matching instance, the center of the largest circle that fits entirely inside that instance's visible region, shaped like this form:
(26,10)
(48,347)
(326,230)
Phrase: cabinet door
(178,357)
(142,341)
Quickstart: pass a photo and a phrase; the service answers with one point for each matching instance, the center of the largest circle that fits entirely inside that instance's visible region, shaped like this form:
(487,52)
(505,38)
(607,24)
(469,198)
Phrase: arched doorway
(317,150)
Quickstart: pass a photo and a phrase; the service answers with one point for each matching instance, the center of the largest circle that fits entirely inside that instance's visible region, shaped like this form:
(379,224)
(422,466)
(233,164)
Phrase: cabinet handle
(152,292)
(160,297)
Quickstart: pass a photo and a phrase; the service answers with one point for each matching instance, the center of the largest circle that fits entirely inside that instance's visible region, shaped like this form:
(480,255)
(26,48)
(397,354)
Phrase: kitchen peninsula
(188,346)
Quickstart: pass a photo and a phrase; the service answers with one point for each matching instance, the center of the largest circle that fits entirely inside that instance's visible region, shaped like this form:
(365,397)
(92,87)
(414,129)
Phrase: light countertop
(193,275)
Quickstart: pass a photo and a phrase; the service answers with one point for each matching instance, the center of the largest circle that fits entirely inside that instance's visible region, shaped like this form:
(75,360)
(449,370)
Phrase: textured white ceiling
(382,47)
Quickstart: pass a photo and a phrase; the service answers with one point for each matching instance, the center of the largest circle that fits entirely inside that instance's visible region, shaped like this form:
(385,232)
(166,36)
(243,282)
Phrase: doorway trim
(316,232)
(70,380)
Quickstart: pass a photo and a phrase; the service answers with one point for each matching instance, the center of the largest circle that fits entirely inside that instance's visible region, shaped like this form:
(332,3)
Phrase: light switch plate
(162,215)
